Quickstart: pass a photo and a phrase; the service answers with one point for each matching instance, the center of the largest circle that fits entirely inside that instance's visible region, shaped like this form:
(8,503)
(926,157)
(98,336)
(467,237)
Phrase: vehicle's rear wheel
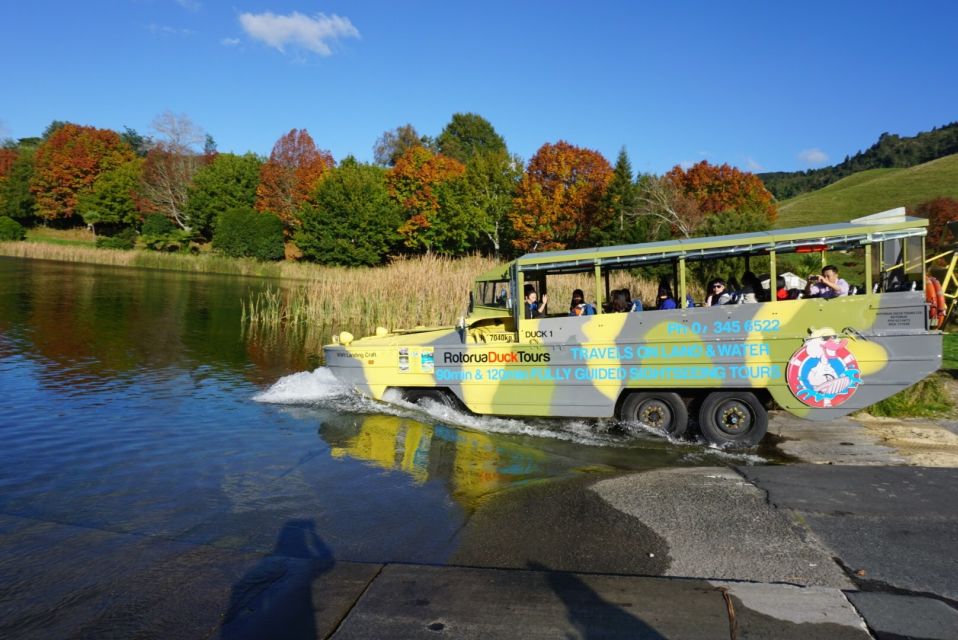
(733,419)
(661,411)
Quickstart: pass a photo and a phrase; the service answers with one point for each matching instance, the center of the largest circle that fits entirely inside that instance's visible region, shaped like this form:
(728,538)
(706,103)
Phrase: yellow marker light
(345,338)
(381,332)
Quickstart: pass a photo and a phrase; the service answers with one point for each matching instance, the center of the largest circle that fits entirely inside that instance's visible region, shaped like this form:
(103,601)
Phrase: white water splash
(321,388)
(306,387)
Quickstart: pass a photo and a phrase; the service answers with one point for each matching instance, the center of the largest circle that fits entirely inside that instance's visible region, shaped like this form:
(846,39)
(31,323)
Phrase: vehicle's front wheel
(733,419)
(442,398)
(663,411)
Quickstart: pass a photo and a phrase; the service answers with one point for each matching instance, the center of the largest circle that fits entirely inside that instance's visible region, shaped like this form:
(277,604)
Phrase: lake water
(133,402)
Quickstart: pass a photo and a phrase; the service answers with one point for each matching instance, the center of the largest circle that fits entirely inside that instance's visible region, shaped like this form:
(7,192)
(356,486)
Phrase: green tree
(486,195)
(139,143)
(228,182)
(112,199)
(392,145)
(467,135)
(350,218)
(16,199)
(620,202)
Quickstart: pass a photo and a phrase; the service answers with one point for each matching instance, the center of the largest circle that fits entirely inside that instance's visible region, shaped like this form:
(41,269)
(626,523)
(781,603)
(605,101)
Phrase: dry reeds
(425,290)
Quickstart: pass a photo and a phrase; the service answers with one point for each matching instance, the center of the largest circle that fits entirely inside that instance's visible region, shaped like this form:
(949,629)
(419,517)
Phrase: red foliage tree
(559,199)
(725,189)
(939,212)
(69,161)
(7,158)
(292,172)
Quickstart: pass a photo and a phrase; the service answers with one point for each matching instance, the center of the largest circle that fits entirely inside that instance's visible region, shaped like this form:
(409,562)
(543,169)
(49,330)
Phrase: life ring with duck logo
(823,373)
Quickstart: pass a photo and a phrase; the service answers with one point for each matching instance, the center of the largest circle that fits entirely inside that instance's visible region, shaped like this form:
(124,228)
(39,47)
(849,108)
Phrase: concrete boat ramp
(858,541)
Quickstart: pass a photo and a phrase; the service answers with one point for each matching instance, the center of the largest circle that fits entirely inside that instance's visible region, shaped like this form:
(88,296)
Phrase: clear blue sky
(760,85)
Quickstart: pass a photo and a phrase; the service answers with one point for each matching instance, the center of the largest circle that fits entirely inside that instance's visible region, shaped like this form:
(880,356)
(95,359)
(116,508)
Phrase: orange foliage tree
(739,195)
(559,199)
(69,161)
(292,172)
(939,212)
(421,182)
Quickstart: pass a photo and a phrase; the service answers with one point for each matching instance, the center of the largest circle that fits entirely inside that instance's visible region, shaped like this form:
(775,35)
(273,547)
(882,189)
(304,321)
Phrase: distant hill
(872,191)
(891,151)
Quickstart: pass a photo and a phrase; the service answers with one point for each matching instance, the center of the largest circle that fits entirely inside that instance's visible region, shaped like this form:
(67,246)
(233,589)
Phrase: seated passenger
(534,308)
(579,306)
(751,290)
(717,294)
(829,285)
(665,299)
(620,302)
(607,305)
(781,292)
(634,305)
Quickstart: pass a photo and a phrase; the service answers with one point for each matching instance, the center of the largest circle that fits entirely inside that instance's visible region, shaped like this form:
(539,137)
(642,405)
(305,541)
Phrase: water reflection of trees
(472,464)
(89,323)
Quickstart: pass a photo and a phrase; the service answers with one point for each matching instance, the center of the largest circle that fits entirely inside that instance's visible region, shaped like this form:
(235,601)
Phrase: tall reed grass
(426,290)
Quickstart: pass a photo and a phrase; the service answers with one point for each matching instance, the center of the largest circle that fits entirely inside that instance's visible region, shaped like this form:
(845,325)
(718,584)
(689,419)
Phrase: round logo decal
(823,372)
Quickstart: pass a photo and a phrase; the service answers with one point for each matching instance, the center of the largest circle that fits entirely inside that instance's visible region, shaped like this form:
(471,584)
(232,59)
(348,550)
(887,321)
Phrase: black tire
(733,419)
(440,397)
(662,411)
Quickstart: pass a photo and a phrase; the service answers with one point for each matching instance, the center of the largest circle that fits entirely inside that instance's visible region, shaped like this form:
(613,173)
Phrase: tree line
(890,151)
(457,193)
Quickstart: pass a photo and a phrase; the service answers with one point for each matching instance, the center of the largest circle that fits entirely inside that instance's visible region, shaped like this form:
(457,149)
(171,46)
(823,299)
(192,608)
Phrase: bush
(10,229)
(123,240)
(243,232)
(157,224)
(175,240)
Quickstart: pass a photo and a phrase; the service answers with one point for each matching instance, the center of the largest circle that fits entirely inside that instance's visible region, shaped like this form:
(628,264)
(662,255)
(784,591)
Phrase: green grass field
(872,191)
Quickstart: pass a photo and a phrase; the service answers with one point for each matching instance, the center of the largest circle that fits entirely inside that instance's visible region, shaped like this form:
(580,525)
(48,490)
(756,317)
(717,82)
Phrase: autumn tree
(171,163)
(468,135)
(559,199)
(739,196)
(112,199)
(16,199)
(8,155)
(228,182)
(350,218)
(68,162)
(423,183)
(939,212)
(294,169)
(392,145)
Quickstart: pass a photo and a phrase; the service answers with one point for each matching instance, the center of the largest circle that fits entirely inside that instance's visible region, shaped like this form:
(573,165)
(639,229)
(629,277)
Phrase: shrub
(157,224)
(123,240)
(10,229)
(242,232)
(170,242)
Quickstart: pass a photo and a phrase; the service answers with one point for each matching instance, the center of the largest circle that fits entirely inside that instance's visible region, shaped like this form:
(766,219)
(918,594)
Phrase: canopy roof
(880,226)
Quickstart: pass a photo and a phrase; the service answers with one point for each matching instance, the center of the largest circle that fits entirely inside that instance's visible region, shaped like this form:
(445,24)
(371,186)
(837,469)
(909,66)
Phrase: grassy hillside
(871,191)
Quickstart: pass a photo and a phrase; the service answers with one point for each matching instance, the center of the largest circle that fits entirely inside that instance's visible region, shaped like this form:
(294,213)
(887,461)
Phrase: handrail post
(772,277)
(682,292)
(598,288)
